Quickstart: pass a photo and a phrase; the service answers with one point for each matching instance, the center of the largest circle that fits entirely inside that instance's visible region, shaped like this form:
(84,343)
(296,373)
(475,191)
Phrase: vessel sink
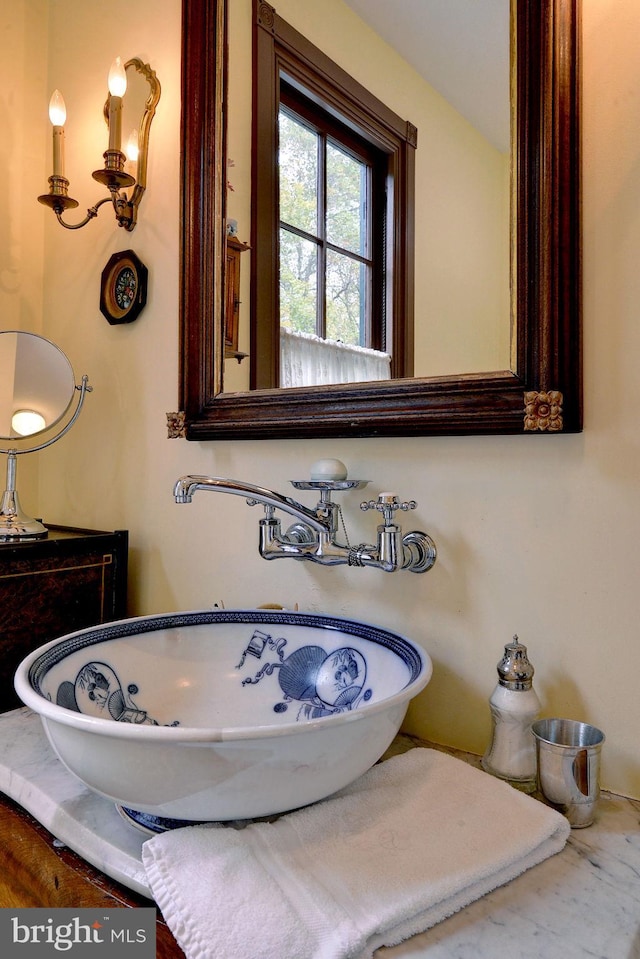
(224,714)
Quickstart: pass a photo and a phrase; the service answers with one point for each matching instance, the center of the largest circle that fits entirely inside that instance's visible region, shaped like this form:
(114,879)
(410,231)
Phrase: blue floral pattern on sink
(97,691)
(322,683)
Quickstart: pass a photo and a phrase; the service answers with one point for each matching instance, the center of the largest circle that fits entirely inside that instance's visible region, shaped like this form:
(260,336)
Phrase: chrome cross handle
(387,504)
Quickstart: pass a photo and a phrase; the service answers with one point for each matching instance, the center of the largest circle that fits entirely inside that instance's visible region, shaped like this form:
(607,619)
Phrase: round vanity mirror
(36,384)
(37,388)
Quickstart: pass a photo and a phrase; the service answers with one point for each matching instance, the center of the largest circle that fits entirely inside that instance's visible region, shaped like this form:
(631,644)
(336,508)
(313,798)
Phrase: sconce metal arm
(92,212)
(113,177)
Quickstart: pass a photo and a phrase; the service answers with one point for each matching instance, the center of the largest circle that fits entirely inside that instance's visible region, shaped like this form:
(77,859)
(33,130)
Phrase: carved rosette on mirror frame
(543,411)
(176,428)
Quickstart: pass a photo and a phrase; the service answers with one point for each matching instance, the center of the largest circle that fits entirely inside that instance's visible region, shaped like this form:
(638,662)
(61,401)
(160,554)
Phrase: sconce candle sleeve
(115,122)
(58,151)
(58,117)
(117,82)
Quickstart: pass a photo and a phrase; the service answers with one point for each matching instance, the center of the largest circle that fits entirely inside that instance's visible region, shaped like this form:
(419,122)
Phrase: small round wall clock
(123,290)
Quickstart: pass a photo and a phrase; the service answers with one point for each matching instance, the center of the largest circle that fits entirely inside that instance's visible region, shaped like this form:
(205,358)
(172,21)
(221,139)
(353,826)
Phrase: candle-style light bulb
(131,151)
(117,78)
(117,89)
(57,109)
(58,117)
(132,148)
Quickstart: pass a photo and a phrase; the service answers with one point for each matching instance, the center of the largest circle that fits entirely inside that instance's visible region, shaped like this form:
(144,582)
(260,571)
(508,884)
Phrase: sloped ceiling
(461,47)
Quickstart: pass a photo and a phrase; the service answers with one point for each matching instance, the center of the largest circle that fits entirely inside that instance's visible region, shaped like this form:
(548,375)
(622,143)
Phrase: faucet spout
(186,486)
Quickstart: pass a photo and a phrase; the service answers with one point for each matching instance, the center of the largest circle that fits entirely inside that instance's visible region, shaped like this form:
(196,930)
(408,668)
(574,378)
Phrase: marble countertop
(585,901)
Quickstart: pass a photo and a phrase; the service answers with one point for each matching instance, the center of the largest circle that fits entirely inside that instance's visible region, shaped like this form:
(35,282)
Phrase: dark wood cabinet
(72,579)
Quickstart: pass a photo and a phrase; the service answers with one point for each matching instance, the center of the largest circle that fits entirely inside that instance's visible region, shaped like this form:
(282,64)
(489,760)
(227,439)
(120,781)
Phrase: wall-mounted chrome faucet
(314,535)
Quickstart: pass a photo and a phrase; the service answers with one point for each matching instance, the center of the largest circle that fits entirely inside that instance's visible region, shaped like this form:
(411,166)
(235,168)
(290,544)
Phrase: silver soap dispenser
(514,706)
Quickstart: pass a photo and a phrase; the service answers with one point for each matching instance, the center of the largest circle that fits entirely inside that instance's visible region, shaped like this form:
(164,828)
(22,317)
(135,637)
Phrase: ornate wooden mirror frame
(542,392)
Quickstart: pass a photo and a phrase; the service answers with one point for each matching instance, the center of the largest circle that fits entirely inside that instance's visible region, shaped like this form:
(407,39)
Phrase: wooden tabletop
(36,871)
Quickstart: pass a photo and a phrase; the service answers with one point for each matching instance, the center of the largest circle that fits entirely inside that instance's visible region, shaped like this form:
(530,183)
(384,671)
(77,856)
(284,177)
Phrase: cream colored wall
(23,59)
(538,535)
(23,63)
(462,193)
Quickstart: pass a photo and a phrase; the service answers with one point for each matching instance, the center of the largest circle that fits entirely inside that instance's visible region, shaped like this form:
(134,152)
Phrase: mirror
(138,110)
(539,392)
(35,377)
(37,387)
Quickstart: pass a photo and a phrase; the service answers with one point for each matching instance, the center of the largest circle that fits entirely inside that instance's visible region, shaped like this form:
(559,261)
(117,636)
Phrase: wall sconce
(122,170)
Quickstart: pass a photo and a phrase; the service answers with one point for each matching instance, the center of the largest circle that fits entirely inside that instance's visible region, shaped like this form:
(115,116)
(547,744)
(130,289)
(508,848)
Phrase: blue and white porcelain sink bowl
(223,714)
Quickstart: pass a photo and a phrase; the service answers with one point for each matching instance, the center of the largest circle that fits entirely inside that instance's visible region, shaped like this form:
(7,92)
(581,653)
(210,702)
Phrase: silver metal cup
(568,763)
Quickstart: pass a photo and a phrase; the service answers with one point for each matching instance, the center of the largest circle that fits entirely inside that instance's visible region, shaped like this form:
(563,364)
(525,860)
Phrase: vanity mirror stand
(37,392)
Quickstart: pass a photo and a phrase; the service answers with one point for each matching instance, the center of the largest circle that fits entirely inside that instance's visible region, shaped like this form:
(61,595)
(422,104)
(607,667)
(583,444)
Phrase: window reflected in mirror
(331,250)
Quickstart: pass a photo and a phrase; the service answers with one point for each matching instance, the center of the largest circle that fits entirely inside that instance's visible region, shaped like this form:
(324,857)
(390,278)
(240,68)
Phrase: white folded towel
(409,843)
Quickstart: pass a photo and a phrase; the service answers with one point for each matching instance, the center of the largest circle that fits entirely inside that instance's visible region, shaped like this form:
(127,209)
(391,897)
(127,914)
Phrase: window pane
(346,201)
(298,168)
(298,283)
(346,299)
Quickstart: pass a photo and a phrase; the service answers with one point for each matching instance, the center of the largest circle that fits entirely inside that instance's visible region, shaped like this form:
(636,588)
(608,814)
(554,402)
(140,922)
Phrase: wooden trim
(264,359)
(203,205)
(547,266)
